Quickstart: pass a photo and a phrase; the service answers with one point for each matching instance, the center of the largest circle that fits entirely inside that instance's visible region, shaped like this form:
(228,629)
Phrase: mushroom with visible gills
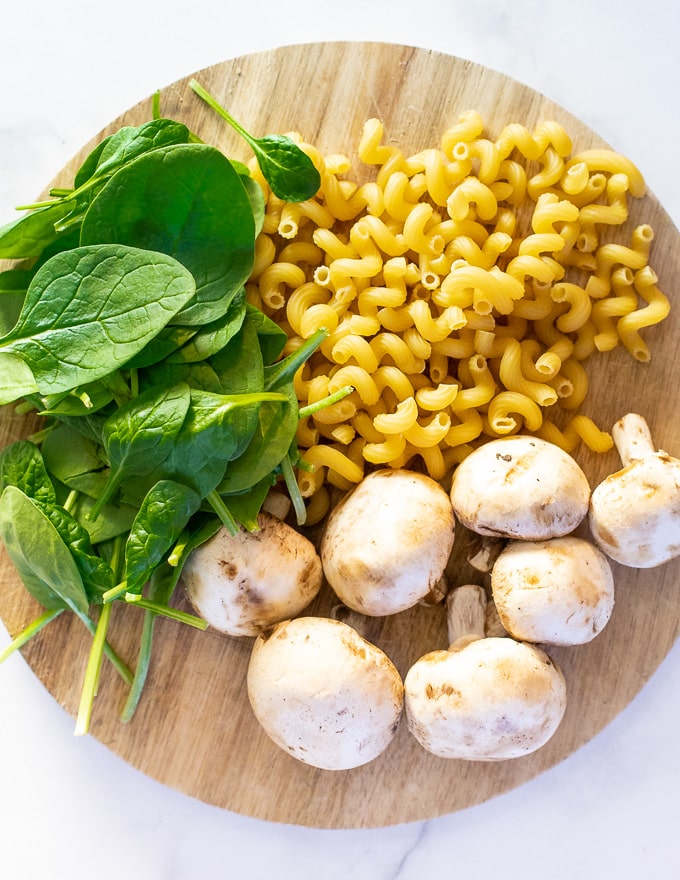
(483,699)
(241,584)
(556,592)
(387,542)
(635,513)
(520,487)
(324,694)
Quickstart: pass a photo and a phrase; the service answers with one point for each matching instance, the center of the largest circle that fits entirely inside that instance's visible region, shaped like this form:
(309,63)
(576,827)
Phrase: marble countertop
(71,809)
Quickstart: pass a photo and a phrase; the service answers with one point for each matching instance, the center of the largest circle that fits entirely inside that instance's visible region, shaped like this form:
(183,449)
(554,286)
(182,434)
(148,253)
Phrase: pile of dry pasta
(462,288)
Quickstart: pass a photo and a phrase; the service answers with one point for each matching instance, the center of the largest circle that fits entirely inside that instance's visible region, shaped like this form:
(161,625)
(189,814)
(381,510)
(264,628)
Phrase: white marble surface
(69,808)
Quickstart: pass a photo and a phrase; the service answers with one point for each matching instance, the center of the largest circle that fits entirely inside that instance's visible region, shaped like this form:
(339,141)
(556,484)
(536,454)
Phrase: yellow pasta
(657,308)
(504,408)
(335,460)
(461,287)
(403,418)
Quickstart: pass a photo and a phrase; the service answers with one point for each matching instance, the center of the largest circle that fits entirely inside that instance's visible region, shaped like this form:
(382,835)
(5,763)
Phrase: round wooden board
(194,730)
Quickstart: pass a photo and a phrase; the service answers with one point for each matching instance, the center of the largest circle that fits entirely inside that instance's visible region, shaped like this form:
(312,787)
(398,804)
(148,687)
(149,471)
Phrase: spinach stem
(219,109)
(293,489)
(141,669)
(70,501)
(92,672)
(177,552)
(166,611)
(311,408)
(115,592)
(119,665)
(214,499)
(285,369)
(28,632)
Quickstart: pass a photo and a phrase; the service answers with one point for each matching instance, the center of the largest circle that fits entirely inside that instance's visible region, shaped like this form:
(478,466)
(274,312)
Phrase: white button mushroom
(520,487)
(483,699)
(557,592)
(635,513)
(242,583)
(386,544)
(323,693)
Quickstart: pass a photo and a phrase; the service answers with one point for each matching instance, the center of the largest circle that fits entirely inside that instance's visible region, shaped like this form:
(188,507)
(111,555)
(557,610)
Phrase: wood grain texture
(194,730)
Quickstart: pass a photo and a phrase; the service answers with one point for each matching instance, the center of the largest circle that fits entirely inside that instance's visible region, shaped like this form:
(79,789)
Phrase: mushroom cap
(492,700)
(635,513)
(241,584)
(558,592)
(324,694)
(386,544)
(520,487)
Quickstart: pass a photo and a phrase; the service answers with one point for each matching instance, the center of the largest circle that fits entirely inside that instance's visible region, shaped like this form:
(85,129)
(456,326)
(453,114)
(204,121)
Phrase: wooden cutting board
(194,729)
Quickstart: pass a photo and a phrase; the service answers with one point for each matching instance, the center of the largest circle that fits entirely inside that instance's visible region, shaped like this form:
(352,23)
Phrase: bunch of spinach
(168,411)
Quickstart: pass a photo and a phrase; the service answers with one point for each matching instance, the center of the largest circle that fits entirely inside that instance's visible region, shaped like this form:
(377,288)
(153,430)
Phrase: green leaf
(44,562)
(95,572)
(213,337)
(165,511)
(138,436)
(211,435)
(270,336)
(126,144)
(22,465)
(28,235)
(74,459)
(288,170)
(186,201)
(275,430)
(16,378)
(90,310)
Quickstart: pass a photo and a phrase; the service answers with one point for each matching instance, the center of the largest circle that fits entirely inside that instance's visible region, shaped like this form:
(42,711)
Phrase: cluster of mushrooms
(334,700)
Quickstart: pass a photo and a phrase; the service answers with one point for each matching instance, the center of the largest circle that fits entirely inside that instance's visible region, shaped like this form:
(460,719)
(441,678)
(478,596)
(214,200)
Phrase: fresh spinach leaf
(212,337)
(165,511)
(289,171)
(126,144)
(138,437)
(167,341)
(13,286)
(270,336)
(210,437)
(97,575)
(275,430)
(28,235)
(188,202)
(89,310)
(44,562)
(22,465)
(16,378)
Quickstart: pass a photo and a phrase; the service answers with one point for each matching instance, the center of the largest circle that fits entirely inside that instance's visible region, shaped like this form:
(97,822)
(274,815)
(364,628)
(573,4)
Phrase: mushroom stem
(484,552)
(465,615)
(632,438)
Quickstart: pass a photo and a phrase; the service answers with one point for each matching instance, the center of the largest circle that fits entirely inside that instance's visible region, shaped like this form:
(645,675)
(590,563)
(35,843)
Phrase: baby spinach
(214,336)
(138,436)
(22,466)
(186,201)
(165,511)
(126,144)
(89,310)
(30,234)
(289,171)
(43,560)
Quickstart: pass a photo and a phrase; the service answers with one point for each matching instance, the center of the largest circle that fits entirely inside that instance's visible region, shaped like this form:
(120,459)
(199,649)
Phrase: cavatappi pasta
(462,288)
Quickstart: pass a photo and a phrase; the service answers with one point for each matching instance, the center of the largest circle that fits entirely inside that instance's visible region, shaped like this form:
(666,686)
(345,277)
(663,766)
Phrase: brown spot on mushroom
(230,570)
(443,690)
(355,648)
